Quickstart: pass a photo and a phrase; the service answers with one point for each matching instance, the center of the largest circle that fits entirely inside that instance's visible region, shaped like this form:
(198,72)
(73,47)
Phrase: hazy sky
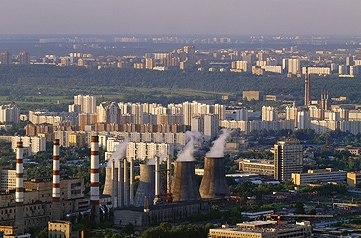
(317,17)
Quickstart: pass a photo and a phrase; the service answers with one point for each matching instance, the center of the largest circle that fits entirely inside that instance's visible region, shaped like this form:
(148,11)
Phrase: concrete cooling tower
(184,184)
(214,184)
(146,185)
(108,186)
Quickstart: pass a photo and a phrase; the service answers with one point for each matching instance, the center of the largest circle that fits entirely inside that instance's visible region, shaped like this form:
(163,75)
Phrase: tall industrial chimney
(120,185)
(131,182)
(145,186)
(307,88)
(94,178)
(19,189)
(157,181)
(214,184)
(55,206)
(126,184)
(114,185)
(169,185)
(184,184)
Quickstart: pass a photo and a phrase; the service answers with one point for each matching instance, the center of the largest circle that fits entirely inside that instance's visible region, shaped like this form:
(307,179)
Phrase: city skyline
(238,17)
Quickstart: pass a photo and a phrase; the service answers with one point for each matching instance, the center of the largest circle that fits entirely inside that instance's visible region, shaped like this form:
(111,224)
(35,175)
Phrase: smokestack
(19,189)
(307,88)
(55,207)
(94,178)
(131,181)
(214,184)
(146,185)
(168,197)
(184,184)
(157,181)
(126,184)
(120,185)
(114,185)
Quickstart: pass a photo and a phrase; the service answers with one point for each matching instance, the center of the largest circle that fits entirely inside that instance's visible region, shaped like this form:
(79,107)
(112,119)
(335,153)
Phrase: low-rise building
(263,229)
(62,229)
(257,166)
(319,176)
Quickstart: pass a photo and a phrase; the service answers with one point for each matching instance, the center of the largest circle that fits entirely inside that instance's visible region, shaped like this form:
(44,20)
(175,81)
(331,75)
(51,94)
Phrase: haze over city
(301,17)
(158,119)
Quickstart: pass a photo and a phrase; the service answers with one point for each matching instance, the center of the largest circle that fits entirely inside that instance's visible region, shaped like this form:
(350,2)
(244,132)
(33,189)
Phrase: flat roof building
(319,176)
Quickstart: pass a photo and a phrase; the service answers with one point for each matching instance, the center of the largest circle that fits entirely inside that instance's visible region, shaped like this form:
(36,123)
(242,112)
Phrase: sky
(169,17)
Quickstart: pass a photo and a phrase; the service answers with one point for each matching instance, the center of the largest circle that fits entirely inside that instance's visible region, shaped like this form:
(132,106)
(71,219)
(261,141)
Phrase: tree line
(114,79)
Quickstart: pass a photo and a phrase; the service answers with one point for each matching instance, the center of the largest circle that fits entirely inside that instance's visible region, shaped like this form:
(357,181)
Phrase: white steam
(187,153)
(162,157)
(119,153)
(217,150)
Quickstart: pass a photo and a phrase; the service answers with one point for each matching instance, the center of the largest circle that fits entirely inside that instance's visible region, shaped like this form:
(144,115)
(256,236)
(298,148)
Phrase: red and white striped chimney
(55,213)
(19,189)
(94,177)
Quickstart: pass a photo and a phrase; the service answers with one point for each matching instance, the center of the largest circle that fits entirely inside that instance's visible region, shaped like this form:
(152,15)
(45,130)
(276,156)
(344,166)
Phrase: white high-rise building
(291,114)
(197,123)
(243,65)
(32,145)
(303,120)
(108,112)
(269,113)
(9,113)
(87,103)
(294,66)
(211,126)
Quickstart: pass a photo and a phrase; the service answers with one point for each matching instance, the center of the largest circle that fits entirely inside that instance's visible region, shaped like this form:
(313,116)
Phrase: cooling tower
(108,186)
(145,186)
(214,184)
(184,185)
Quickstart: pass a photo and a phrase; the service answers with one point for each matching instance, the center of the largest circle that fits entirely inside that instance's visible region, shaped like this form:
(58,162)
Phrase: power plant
(214,184)
(159,197)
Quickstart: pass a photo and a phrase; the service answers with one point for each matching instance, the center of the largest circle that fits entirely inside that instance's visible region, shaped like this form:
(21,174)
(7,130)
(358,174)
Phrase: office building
(287,159)
(319,176)
(265,167)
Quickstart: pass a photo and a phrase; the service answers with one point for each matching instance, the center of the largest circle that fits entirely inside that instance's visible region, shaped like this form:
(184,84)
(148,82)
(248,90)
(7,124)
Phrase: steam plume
(119,153)
(187,153)
(162,157)
(217,150)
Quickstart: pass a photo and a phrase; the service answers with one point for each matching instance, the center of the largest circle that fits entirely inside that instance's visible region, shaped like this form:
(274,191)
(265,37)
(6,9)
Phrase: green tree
(300,209)
(43,233)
